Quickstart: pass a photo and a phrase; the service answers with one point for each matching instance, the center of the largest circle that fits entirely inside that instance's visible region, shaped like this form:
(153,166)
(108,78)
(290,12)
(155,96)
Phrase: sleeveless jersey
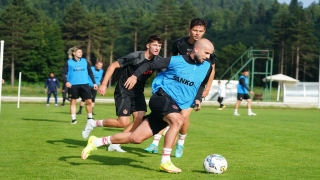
(182,80)
(78,72)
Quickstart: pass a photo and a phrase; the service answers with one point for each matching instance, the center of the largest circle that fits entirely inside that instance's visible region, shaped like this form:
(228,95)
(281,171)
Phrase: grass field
(38,142)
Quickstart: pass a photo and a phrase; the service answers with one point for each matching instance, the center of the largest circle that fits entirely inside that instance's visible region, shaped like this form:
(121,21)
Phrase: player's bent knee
(136,140)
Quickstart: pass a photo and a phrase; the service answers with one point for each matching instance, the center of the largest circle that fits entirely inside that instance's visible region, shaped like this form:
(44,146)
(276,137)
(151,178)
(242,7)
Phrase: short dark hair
(198,22)
(153,38)
(244,70)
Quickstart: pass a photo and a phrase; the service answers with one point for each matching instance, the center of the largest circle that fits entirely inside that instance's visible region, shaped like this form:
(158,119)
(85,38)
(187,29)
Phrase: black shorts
(160,105)
(126,105)
(243,96)
(83,91)
(93,93)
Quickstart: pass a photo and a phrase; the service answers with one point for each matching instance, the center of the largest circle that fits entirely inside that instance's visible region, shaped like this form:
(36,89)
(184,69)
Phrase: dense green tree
(15,23)
(167,24)
(302,39)
(280,35)
(227,55)
(261,14)
(245,17)
(73,25)
(272,11)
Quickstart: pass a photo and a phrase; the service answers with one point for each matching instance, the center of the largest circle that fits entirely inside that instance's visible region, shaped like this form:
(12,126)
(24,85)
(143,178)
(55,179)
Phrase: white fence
(305,92)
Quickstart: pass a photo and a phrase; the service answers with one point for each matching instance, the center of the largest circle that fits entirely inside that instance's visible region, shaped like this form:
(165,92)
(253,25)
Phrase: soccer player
(177,89)
(243,90)
(75,75)
(97,73)
(128,102)
(221,95)
(184,46)
(52,83)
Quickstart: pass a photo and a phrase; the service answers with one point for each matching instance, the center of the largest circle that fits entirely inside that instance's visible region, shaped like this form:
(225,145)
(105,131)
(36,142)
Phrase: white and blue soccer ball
(215,163)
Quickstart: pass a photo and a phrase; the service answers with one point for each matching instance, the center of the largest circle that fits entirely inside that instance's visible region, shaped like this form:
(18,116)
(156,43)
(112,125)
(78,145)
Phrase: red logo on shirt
(148,72)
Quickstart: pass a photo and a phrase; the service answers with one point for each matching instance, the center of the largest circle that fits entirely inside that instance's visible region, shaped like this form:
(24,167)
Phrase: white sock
(235,110)
(166,155)
(249,111)
(97,123)
(181,139)
(102,141)
(89,115)
(73,116)
(156,139)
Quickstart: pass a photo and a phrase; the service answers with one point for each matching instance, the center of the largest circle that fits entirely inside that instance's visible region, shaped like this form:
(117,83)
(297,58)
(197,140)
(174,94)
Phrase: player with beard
(176,90)
(184,46)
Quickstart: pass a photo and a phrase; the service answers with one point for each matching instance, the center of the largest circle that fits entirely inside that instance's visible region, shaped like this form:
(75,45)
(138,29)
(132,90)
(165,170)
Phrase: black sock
(80,108)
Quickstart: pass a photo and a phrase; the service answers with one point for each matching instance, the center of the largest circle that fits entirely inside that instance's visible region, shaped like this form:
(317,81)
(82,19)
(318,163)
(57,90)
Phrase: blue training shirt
(78,72)
(240,87)
(97,76)
(181,80)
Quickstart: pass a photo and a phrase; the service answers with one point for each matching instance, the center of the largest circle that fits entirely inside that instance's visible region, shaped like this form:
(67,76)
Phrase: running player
(128,102)
(176,90)
(184,46)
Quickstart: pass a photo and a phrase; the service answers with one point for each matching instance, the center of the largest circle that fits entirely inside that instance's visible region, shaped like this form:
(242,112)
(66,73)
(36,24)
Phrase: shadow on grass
(72,143)
(42,120)
(105,160)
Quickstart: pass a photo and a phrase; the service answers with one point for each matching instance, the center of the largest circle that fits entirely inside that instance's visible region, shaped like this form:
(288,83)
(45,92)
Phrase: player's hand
(102,89)
(205,93)
(68,85)
(131,81)
(251,92)
(95,87)
(197,106)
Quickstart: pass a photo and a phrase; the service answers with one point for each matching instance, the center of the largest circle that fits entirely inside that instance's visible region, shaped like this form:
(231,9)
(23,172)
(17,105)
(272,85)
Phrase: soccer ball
(215,163)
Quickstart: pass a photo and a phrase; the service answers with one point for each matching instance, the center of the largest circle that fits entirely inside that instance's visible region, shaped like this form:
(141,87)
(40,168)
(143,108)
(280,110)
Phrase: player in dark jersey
(75,77)
(128,102)
(176,90)
(183,46)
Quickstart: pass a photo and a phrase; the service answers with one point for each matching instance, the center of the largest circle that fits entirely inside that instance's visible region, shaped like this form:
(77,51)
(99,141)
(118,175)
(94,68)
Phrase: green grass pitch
(38,142)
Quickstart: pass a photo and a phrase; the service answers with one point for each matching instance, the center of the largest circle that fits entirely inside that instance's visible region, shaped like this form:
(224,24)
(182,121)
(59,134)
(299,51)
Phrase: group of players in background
(192,53)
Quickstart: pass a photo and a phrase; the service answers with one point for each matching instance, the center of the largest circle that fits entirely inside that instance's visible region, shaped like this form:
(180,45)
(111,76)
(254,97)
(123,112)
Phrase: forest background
(38,33)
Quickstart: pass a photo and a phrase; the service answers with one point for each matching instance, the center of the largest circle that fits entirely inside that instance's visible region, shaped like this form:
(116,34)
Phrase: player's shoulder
(157,58)
(181,40)
(135,54)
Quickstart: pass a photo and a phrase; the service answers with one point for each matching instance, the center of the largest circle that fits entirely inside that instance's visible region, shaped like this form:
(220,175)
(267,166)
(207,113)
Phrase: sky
(306,3)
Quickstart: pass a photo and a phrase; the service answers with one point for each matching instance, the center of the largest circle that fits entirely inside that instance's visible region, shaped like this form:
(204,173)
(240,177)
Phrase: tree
(245,17)
(280,35)
(261,14)
(72,25)
(165,21)
(272,11)
(302,38)
(16,21)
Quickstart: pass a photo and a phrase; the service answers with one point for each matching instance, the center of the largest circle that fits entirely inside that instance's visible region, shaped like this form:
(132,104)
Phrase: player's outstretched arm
(103,87)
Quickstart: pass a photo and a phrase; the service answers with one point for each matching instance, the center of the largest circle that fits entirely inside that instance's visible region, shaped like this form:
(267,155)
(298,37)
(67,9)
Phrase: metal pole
(1,69)
(319,81)
(19,87)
